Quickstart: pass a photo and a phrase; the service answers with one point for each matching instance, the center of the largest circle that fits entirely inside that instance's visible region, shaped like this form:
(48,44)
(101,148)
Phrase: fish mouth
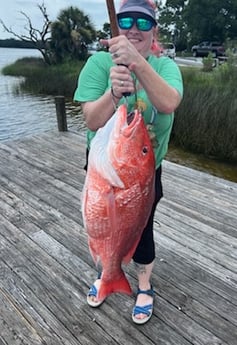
(130,123)
(130,117)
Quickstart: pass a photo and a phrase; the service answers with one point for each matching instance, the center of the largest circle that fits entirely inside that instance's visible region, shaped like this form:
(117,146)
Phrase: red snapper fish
(117,195)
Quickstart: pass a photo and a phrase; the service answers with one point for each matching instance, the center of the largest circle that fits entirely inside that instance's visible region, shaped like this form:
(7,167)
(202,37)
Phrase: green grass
(206,120)
(43,79)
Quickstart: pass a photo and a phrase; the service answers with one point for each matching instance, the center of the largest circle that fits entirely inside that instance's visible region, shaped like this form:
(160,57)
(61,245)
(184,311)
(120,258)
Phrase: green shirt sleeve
(169,71)
(94,78)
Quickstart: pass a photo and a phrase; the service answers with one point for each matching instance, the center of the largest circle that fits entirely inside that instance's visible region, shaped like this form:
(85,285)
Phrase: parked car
(169,50)
(204,48)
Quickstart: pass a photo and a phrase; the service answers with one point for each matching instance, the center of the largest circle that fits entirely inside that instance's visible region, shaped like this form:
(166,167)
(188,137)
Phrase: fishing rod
(114,26)
(112,18)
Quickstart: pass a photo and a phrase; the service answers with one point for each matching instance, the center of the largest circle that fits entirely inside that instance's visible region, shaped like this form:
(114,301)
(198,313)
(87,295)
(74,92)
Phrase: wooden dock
(46,269)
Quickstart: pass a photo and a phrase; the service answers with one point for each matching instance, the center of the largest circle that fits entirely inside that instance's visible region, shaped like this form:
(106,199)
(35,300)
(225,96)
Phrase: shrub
(208,63)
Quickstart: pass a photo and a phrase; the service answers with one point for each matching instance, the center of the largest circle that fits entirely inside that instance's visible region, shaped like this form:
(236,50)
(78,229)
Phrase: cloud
(12,16)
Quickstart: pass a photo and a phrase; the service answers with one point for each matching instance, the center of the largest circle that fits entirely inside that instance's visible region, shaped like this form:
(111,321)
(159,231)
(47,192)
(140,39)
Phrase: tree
(189,21)
(171,23)
(70,35)
(105,33)
(212,19)
(39,38)
(66,38)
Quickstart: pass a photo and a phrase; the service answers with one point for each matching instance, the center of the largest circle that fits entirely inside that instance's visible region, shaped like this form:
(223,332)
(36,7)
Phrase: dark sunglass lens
(125,23)
(144,24)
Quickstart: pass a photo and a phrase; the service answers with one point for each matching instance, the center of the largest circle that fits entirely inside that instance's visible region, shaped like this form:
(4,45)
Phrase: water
(24,114)
(202,163)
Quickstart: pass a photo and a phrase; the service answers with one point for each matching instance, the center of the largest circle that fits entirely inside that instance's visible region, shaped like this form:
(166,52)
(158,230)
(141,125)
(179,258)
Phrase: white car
(169,50)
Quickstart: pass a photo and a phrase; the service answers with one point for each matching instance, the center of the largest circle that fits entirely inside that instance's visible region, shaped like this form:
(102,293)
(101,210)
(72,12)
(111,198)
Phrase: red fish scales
(118,196)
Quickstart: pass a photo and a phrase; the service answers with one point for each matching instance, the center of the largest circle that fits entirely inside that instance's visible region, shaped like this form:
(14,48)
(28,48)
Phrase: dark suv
(204,48)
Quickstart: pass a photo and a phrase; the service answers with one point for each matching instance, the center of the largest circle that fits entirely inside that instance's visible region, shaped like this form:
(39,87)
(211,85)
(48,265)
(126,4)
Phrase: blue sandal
(146,309)
(93,292)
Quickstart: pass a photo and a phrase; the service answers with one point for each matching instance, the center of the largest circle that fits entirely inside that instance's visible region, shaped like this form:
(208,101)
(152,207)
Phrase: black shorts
(145,251)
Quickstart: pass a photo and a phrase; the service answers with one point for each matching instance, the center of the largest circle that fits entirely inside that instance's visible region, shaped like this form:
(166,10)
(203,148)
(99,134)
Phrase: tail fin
(121,285)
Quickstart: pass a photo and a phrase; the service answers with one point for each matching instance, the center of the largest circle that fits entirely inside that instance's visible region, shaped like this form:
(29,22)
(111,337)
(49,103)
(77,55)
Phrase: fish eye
(145,150)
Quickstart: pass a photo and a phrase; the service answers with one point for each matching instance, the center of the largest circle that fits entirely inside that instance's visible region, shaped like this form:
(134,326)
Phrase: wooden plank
(51,246)
(192,212)
(55,146)
(56,289)
(170,216)
(189,305)
(39,215)
(204,295)
(49,164)
(38,175)
(79,266)
(41,284)
(30,311)
(204,179)
(208,265)
(22,333)
(209,250)
(51,190)
(195,272)
(63,260)
(2,341)
(46,268)
(37,203)
(117,318)
(204,205)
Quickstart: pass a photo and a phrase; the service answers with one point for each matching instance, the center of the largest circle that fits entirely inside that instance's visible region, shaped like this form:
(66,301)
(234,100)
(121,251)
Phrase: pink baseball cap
(141,6)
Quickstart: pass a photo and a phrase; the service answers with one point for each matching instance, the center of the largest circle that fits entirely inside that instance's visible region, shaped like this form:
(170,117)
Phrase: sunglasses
(143,24)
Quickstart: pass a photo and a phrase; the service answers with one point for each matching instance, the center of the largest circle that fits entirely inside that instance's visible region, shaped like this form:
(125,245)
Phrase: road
(189,61)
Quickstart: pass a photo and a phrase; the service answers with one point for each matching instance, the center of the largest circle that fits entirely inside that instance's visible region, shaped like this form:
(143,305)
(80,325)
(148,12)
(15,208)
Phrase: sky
(11,16)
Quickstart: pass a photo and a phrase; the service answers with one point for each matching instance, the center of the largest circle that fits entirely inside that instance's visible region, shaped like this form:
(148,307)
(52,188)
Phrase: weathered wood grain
(46,268)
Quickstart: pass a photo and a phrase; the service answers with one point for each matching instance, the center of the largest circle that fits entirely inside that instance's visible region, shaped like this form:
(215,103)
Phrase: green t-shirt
(94,80)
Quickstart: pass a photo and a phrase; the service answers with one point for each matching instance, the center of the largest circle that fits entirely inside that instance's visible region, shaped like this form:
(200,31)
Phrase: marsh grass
(40,78)
(206,120)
